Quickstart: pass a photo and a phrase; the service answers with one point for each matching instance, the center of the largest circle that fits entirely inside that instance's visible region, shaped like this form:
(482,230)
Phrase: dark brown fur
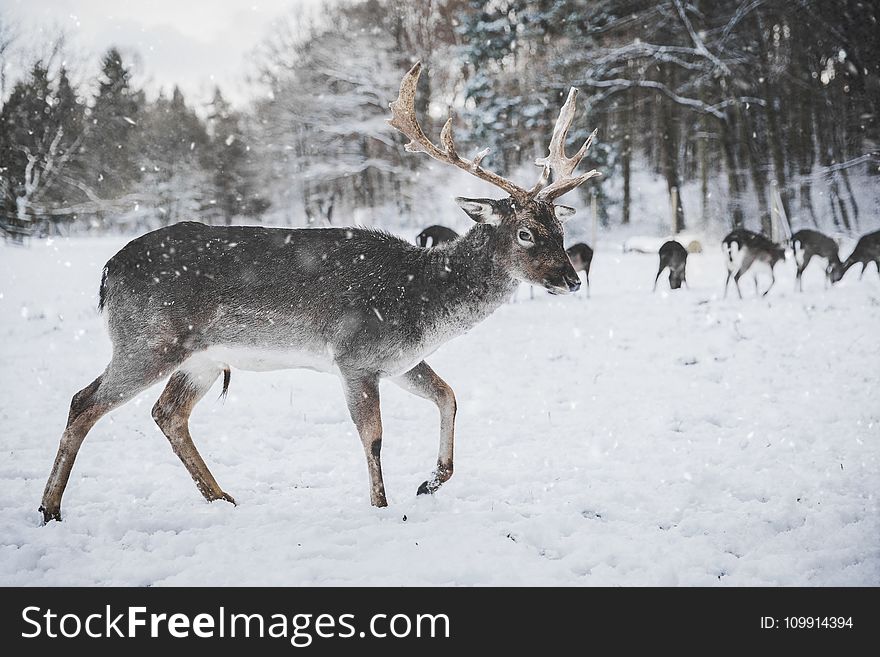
(751,247)
(867,250)
(437,234)
(674,256)
(807,244)
(581,256)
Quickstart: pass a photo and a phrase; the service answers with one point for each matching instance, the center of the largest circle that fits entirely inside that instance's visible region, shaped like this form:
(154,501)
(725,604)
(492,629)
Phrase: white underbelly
(762,267)
(261,360)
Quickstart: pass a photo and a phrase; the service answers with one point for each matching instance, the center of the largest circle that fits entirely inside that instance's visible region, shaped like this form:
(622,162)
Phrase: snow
(629,439)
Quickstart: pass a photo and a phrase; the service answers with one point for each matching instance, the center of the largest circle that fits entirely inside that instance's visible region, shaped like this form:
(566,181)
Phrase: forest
(753,106)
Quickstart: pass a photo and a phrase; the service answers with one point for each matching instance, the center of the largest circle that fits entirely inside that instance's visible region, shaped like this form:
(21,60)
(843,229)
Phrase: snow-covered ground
(628,439)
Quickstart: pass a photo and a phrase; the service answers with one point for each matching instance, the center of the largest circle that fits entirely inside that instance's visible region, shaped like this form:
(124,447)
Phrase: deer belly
(762,267)
(264,360)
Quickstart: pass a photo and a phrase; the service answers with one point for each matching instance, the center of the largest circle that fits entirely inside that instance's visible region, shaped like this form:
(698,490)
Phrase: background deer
(867,250)
(807,244)
(674,256)
(437,234)
(743,249)
(581,256)
(191,301)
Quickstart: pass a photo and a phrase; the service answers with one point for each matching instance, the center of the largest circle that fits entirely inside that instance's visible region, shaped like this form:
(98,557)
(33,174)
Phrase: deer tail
(227,374)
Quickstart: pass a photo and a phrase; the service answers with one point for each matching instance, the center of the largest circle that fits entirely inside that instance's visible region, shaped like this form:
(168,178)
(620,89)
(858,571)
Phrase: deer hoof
(226,498)
(48,515)
(428,487)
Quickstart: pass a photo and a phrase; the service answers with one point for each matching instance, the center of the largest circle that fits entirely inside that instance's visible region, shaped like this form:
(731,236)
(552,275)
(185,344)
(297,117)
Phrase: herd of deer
(190,301)
(742,248)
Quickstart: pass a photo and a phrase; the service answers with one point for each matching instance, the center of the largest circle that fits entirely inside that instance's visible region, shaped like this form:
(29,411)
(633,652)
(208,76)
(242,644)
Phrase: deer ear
(481,210)
(563,212)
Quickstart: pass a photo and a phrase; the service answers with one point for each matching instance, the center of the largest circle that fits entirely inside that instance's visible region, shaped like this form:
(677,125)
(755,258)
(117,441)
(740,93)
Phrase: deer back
(354,297)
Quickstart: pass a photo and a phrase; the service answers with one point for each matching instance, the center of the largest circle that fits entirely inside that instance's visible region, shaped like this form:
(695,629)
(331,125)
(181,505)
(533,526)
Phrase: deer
(867,250)
(674,256)
(807,244)
(437,234)
(189,302)
(743,248)
(581,256)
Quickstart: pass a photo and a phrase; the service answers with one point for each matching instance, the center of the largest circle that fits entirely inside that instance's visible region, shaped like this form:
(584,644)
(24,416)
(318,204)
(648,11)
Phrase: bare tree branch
(698,42)
(619,84)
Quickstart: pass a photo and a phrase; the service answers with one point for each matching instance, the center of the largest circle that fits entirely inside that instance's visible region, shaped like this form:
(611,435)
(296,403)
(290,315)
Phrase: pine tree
(173,143)
(112,127)
(229,158)
(40,130)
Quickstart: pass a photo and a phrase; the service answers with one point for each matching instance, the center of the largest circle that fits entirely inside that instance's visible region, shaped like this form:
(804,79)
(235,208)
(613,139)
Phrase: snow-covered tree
(112,130)
(235,190)
(173,149)
(40,132)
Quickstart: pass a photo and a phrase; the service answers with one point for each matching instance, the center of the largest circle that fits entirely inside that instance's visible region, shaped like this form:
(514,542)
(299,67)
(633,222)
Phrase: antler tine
(542,181)
(556,161)
(403,114)
(403,119)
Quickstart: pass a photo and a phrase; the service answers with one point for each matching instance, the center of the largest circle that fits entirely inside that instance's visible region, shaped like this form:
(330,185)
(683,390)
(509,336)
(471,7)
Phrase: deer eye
(524,237)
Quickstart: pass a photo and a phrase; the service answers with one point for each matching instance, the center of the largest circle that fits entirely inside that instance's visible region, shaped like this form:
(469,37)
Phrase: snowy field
(628,439)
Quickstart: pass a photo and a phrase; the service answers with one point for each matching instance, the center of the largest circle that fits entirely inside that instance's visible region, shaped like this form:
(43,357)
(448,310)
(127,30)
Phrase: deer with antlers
(189,302)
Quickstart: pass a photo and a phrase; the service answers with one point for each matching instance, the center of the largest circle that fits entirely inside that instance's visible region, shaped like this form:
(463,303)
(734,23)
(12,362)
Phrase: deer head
(527,223)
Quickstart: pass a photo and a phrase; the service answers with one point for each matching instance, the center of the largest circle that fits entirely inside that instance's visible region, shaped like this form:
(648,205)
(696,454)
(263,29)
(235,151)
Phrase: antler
(556,161)
(403,118)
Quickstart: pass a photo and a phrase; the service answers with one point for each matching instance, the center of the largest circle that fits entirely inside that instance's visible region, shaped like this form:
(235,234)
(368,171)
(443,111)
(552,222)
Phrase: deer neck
(469,280)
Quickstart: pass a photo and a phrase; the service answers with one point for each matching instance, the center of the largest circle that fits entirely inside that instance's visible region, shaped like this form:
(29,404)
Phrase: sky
(193,43)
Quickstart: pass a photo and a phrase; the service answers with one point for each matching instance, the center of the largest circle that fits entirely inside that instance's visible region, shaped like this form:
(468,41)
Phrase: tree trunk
(734,184)
(806,158)
(839,213)
(626,165)
(840,156)
(671,138)
(628,127)
(750,136)
(774,136)
(703,156)
(852,199)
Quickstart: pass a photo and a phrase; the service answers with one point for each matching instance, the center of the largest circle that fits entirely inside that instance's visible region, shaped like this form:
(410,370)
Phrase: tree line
(763,103)
(117,159)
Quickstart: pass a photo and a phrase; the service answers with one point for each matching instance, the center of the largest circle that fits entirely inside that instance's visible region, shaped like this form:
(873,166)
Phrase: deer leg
(800,271)
(124,378)
(772,282)
(736,278)
(657,278)
(171,412)
(424,382)
(864,267)
(362,395)
(587,277)
(727,283)
(743,268)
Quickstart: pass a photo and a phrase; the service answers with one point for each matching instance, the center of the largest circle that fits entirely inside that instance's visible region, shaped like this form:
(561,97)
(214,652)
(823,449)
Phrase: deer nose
(574,284)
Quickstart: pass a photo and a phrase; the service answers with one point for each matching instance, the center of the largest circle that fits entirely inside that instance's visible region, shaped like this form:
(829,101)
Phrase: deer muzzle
(564,283)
